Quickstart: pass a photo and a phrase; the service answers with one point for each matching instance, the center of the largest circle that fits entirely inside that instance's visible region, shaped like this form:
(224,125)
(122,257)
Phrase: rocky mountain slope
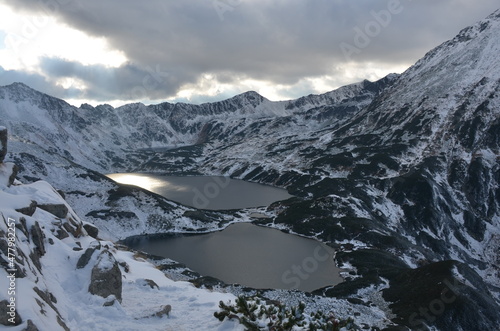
(401,176)
(57,274)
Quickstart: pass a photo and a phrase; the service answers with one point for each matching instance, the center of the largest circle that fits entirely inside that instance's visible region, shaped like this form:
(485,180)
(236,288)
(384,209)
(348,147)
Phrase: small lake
(206,192)
(249,255)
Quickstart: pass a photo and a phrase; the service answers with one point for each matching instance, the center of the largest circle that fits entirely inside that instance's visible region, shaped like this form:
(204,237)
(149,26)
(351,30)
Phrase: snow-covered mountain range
(401,176)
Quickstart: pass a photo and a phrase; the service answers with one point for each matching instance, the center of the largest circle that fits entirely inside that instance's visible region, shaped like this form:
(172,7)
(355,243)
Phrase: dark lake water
(249,255)
(206,192)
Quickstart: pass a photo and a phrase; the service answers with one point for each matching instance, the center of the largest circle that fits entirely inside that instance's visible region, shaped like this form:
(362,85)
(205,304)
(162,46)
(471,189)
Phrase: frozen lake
(249,255)
(206,192)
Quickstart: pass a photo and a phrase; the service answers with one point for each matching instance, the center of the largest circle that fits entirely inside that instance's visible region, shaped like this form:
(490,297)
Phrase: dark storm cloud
(278,41)
(127,82)
(36,81)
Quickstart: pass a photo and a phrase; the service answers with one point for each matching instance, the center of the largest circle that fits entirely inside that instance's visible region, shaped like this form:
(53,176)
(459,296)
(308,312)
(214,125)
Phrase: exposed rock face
(73,227)
(106,278)
(85,258)
(91,230)
(8,171)
(4,316)
(3,143)
(59,210)
(37,237)
(28,210)
(436,295)
(31,326)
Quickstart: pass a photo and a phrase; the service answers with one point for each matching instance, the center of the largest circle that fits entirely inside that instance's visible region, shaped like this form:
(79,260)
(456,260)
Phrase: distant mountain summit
(31,115)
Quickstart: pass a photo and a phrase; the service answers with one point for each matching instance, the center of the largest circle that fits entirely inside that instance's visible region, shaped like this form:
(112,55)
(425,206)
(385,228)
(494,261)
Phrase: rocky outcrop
(31,326)
(91,230)
(37,238)
(437,295)
(85,257)
(3,143)
(28,210)
(59,210)
(7,314)
(8,171)
(106,278)
(72,226)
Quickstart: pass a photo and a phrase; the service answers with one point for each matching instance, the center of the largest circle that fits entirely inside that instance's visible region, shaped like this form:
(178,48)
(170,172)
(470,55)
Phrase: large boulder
(91,230)
(106,278)
(8,173)
(7,314)
(58,209)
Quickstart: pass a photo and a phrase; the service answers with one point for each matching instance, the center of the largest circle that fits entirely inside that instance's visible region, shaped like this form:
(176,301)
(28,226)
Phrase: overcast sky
(119,51)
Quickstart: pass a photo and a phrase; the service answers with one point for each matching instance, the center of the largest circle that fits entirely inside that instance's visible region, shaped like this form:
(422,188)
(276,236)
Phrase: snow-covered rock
(3,142)
(106,277)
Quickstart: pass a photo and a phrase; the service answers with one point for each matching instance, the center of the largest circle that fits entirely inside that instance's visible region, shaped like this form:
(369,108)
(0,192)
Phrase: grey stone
(85,258)
(4,316)
(91,230)
(37,236)
(165,310)
(31,326)
(3,143)
(58,210)
(9,171)
(28,210)
(106,277)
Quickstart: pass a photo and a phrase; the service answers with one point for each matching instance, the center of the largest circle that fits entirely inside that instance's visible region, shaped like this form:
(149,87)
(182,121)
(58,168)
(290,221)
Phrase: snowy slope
(100,138)
(57,274)
(51,288)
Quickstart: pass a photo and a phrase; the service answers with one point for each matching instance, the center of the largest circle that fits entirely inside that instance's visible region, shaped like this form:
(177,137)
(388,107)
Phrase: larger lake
(249,255)
(205,192)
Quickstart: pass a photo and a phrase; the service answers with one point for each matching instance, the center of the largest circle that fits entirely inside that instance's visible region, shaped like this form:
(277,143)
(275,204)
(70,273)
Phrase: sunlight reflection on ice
(146,182)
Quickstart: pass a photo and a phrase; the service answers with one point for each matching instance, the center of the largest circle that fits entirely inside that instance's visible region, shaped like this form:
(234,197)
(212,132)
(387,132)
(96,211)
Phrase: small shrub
(256,314)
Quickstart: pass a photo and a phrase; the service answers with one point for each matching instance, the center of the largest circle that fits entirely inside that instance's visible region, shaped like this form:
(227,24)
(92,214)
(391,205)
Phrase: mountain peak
(18,85)
(250,96)
(475,49)
(21,91)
